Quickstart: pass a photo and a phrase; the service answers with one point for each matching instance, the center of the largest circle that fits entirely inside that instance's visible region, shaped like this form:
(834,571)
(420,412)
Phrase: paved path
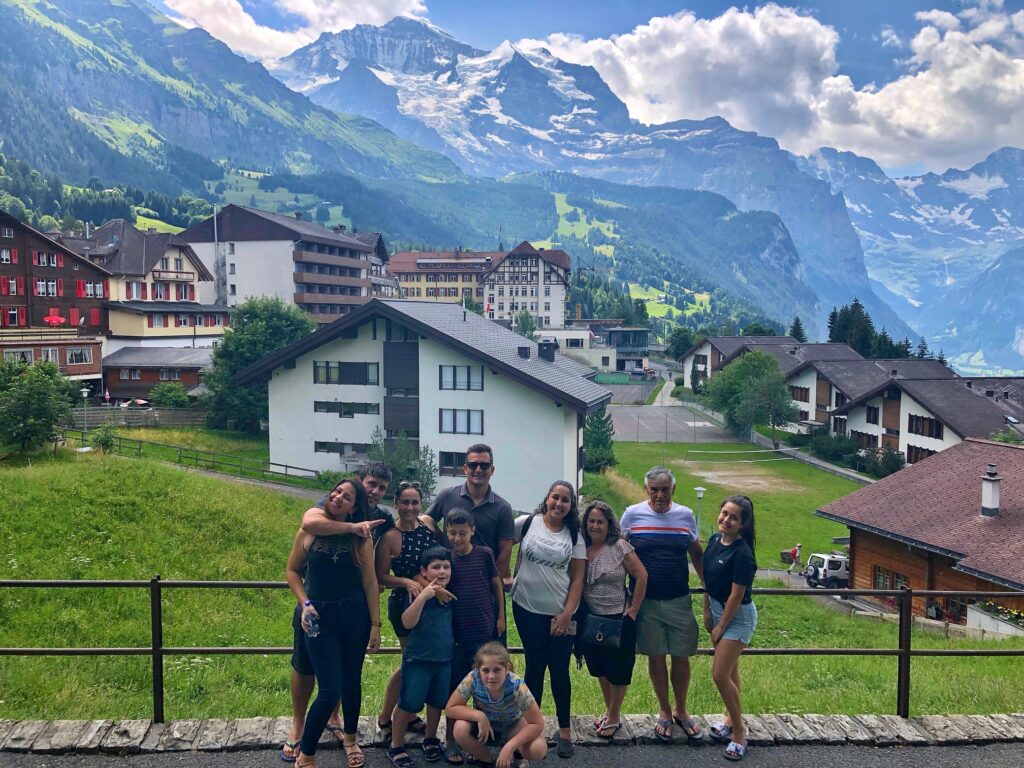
(661,423)
(848,756)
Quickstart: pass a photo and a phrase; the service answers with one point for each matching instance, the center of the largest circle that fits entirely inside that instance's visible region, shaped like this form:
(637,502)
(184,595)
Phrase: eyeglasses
(408,484)
(484,465)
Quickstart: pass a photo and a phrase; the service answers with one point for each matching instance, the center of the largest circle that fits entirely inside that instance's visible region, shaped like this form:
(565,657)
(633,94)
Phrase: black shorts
(301,662)
(615,664)
(396,607)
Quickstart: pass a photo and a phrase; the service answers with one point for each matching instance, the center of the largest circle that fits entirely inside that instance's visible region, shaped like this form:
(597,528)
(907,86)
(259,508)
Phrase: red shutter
(53,310)
(152,292)
(3,286)
(35,287)
(60,287)
(191,293)
(149,320)
(143,290)
(73,316)
(14,256)
(80,288)
(35,258)
(94,316)
(106,289)
(60,259)
(21,286)
(21,316)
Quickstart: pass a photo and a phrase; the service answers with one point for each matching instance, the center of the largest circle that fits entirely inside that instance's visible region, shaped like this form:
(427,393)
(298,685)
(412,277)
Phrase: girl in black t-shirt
(729,614)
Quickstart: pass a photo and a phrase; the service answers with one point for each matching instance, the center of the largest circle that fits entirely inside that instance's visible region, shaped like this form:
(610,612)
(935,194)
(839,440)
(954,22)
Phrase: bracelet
(307,604)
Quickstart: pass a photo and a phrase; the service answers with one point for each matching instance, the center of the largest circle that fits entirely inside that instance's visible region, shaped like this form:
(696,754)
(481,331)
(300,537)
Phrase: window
(450,463)
(871,414)
(165,263)
(547,306)
(12,286)
(703,360)
(40,287)
(79,356)
(922,425)
(159,320)
(51,287)
(338,447)
(49,355)
(839,425)
(804,415)
(170,374)
(5,256)
(231,249)
(916,454)
(801,394)
(461,422)
(605,360)
(231,268)
(178,264)
(325,372)
(6,232)
(182,321)
(865,440)
(574,343)
(547,290)
(18,356)
(346,410)
(136,374)
(841,400)
(124,374)
(161,291)
(231,290)
(469,377)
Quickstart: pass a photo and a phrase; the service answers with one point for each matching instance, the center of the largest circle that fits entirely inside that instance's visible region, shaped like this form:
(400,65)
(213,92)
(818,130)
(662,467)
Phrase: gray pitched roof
(159,357)
(965,410)
(729,345)
(174,307)
(235,217)
(126,250)
(563,380)
(859,378)
(794,355)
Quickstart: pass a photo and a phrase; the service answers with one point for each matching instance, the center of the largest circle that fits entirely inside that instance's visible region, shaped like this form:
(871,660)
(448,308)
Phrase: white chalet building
(445,377)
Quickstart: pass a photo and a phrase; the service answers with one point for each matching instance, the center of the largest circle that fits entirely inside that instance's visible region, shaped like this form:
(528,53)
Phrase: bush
(328,478)
(882,463)
(168,394)
(679,381)
(837,449)
(103,437)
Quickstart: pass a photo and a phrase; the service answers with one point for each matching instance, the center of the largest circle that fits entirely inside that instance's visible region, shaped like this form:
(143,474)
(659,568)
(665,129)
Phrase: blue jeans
(337,654)
(545,651)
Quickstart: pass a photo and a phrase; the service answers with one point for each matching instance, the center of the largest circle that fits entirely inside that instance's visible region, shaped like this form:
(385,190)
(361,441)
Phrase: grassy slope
(656,308)
(243,186)
(144,223)
(114,518)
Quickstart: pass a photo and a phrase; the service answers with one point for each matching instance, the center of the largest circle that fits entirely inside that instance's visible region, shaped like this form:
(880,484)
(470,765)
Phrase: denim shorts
(743,624)
(424,682)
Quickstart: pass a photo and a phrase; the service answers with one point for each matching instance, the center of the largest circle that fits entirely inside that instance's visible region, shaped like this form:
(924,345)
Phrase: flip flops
(289,752)
(600,731)
(736,751)
(663,730)
(690,727)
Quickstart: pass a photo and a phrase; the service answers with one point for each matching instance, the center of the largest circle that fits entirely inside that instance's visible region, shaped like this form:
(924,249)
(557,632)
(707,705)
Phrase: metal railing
(156,650)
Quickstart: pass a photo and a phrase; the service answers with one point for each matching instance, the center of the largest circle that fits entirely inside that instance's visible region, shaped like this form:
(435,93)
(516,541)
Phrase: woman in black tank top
(341,593)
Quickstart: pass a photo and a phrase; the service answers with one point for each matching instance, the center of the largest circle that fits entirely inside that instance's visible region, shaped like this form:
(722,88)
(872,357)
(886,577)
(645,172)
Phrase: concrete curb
(144,736)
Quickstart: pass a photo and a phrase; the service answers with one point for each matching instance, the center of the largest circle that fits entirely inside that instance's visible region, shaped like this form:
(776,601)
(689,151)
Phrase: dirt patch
(749,477)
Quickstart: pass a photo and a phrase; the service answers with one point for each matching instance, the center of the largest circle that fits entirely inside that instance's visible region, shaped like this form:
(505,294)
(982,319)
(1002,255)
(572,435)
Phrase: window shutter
(3,286)
(35,258)
(143,290)
(106,289)
(14,256)
(60,287)
(149,320)
(73,316)
(21,286)
(94,316)
(191,292)
(80,288)
(35,287)
(152,291)
(21,316)
(53,310)
(60,259)
(177,292)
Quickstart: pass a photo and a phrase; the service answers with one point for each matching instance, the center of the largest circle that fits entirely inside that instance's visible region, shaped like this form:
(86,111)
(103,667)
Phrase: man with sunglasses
(495,527)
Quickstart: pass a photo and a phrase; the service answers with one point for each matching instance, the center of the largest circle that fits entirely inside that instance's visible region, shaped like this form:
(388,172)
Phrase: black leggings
(545,651)
(337,654)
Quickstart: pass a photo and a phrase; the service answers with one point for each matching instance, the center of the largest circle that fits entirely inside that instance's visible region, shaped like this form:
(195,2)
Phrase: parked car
(831,571)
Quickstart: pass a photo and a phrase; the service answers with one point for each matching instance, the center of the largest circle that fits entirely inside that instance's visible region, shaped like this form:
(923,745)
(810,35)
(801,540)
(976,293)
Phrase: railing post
(156,620)
(903,660)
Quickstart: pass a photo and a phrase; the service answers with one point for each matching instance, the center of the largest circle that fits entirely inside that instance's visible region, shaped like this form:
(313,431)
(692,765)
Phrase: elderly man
(663,534)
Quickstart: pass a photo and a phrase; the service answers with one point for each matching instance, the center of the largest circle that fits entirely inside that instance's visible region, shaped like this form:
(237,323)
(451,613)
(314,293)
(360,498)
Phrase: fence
(156,650)
(202,459)
(90,417)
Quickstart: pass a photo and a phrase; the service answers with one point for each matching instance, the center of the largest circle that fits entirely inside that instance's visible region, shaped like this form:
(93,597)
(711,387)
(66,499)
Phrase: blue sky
(915,84)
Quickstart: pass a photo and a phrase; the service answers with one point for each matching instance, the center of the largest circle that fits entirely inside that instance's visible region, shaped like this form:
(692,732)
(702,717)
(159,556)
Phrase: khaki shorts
(667,627)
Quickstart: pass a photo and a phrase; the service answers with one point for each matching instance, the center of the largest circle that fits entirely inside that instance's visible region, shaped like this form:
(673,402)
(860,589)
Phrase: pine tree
(941,357)
(696,380)
(833,318)
(598,433)
(796,330)
(922,350)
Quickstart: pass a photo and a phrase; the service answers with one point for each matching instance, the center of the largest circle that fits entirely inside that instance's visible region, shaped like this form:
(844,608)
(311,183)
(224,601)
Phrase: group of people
(602,587)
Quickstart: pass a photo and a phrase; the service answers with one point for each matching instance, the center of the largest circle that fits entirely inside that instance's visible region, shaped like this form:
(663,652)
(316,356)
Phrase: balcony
(328,298)
(171,274)
(311,257)
(313,278)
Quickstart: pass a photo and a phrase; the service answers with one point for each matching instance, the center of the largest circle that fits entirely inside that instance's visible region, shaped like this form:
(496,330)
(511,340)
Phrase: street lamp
(84,392)
(700,495)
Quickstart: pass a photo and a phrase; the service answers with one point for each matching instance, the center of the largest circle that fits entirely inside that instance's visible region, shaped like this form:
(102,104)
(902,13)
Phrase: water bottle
(313,621)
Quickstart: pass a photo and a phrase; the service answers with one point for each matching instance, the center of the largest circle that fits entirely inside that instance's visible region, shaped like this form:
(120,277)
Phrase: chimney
(794,350)
(894,373)
(970,384)
(546,348)
(298,215)
(990,492)
(524,352)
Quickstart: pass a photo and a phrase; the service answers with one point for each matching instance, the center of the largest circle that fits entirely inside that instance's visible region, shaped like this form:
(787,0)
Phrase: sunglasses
(408,484)
(484,465)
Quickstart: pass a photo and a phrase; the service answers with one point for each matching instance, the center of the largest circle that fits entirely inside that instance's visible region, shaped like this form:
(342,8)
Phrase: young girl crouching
(504,711)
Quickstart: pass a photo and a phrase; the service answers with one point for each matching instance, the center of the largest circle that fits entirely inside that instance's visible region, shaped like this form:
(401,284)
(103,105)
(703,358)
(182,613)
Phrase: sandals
(432,750)
(605,726)
(400,758)
(416,725)
(453,754)
(290,752)
(663,730)
(690,727)
(337,732)
(563,747)
(354,757)
(736,751)
(721,733)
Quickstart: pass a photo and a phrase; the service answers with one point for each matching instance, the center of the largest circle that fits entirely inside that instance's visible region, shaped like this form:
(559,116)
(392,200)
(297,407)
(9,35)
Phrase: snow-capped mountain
(520,109)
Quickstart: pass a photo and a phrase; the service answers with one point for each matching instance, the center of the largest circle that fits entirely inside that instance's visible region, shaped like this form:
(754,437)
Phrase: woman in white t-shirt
(546,593)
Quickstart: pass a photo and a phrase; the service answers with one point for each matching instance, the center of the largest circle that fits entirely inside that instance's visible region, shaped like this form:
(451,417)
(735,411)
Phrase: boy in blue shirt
(427,658)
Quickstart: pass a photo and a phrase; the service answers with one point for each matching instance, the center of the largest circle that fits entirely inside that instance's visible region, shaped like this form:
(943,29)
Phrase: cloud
(228,21)
(773,70)
(890,38)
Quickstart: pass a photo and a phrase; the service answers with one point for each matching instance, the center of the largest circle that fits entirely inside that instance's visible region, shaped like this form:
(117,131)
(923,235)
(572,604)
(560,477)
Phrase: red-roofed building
(946,523)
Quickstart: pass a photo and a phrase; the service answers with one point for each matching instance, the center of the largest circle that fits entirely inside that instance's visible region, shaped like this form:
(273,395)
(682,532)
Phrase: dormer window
(178,264)
(165,263)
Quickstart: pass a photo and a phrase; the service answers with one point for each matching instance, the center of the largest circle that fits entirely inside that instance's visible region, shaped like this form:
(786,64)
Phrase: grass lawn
(144,223)
(785,493)
(221,441)
(94,517)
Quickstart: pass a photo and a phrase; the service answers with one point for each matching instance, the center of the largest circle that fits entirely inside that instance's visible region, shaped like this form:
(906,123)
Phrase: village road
(990,756)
